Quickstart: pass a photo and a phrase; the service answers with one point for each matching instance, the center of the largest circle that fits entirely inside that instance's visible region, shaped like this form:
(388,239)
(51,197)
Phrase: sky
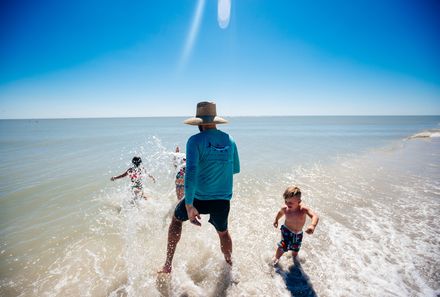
(130,58)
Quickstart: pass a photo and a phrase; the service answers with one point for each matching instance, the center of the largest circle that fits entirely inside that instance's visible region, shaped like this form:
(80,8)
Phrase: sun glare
(192,34)
(224,13)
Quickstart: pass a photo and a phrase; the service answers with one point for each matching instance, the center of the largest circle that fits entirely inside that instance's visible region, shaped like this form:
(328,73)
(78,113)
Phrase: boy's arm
(315,219)
(119,176)
(280,214)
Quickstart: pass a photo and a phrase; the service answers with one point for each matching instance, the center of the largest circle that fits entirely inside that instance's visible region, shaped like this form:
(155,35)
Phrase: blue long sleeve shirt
(211,161)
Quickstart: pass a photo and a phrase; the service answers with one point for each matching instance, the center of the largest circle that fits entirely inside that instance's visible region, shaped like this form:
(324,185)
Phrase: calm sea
(67,230)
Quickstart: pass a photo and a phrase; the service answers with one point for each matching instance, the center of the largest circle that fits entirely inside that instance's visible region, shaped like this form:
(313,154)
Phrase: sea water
(67,230)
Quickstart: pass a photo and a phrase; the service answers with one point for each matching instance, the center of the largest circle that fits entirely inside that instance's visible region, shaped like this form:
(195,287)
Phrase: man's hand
(275,224)
(193,214)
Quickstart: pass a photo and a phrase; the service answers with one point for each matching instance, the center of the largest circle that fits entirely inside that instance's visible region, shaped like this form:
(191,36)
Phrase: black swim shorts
(217,209)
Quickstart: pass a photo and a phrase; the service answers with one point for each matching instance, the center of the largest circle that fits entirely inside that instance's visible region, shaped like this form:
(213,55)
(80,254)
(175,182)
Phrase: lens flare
(192,34)
(224,13)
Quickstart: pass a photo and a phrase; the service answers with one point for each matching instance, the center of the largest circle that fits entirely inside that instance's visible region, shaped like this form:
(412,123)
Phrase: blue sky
(129,58)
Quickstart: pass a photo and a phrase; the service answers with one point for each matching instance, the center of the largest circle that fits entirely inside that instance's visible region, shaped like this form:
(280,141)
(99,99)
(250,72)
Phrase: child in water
(291,231)
(180,165)
(180,180)
(135,173)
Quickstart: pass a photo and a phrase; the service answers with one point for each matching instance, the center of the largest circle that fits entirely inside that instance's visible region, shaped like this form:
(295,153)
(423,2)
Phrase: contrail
(192,34)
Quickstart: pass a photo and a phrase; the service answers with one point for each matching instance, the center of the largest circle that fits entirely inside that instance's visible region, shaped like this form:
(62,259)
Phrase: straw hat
(206,114)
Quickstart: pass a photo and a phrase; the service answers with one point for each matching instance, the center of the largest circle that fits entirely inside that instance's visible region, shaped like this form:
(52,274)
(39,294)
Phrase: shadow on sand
(297,281)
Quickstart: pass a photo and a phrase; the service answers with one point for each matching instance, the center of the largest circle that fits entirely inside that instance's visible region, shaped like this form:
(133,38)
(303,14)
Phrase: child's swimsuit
(135,175)
(180,177)
(291,240)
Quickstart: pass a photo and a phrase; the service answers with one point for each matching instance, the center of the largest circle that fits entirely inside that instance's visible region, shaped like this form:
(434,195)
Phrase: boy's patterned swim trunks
(290,241)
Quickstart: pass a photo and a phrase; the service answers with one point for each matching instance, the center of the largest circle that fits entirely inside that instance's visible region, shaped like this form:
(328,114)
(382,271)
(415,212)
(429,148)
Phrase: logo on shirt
(218,153)
(218,148)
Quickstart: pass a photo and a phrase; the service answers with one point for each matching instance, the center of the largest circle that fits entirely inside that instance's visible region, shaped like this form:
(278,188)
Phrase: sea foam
(433,133)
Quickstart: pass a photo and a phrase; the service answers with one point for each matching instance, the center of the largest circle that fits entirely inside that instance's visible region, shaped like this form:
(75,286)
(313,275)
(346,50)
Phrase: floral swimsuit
(180,177)
(135,175)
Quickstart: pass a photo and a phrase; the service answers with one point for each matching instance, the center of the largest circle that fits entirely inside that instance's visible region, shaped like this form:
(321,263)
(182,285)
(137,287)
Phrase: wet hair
(292,192)
(136,161)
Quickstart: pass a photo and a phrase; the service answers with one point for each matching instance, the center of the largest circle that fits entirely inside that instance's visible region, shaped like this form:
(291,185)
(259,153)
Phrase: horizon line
(226,116)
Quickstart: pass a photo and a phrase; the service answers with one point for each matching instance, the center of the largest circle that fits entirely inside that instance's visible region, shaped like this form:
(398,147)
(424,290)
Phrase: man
(211,161)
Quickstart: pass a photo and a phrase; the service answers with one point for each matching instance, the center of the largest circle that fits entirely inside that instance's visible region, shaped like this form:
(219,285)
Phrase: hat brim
(199,122)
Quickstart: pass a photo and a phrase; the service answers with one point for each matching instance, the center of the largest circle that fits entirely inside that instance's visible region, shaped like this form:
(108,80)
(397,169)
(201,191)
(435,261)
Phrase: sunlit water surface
(67,230)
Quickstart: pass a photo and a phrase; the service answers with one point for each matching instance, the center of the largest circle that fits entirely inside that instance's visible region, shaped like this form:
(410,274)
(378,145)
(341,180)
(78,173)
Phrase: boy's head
(292,193)
(136,161)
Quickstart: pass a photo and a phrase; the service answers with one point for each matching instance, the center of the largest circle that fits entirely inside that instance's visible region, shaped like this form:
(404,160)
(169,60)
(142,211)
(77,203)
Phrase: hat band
(207,119)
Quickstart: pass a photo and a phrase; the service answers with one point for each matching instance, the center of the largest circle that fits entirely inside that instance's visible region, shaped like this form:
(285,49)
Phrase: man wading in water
(211,161)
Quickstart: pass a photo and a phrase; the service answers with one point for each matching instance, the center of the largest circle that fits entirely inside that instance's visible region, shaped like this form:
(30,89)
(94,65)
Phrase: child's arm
(315,219)
(144,171)
(280,214)
(119,176)
(152,177)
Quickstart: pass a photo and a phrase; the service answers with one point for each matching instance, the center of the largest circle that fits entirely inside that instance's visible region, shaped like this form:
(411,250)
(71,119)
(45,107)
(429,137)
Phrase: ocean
(66,229)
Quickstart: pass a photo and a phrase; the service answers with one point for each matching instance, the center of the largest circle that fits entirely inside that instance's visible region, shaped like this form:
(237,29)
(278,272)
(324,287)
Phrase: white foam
(378,236)
(433,133)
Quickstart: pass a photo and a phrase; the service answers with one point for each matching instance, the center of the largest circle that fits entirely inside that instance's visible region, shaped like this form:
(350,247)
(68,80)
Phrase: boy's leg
(226,245)
(278,255)
(174,233)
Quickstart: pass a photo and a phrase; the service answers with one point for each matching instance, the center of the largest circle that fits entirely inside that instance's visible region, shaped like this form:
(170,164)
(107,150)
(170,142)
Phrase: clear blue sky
(128,58)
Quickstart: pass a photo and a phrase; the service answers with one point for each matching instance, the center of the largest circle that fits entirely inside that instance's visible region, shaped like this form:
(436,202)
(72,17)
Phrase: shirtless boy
(295,213)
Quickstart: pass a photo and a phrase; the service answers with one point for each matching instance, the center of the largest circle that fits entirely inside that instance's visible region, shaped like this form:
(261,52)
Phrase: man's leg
(174,232)
(226,245)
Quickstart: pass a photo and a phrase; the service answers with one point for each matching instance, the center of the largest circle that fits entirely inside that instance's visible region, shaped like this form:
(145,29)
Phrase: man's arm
(192,159)
(236,159)
(193,214)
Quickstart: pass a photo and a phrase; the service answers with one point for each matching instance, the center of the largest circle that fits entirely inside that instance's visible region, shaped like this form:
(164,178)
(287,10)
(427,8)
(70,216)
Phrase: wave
(432,133)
